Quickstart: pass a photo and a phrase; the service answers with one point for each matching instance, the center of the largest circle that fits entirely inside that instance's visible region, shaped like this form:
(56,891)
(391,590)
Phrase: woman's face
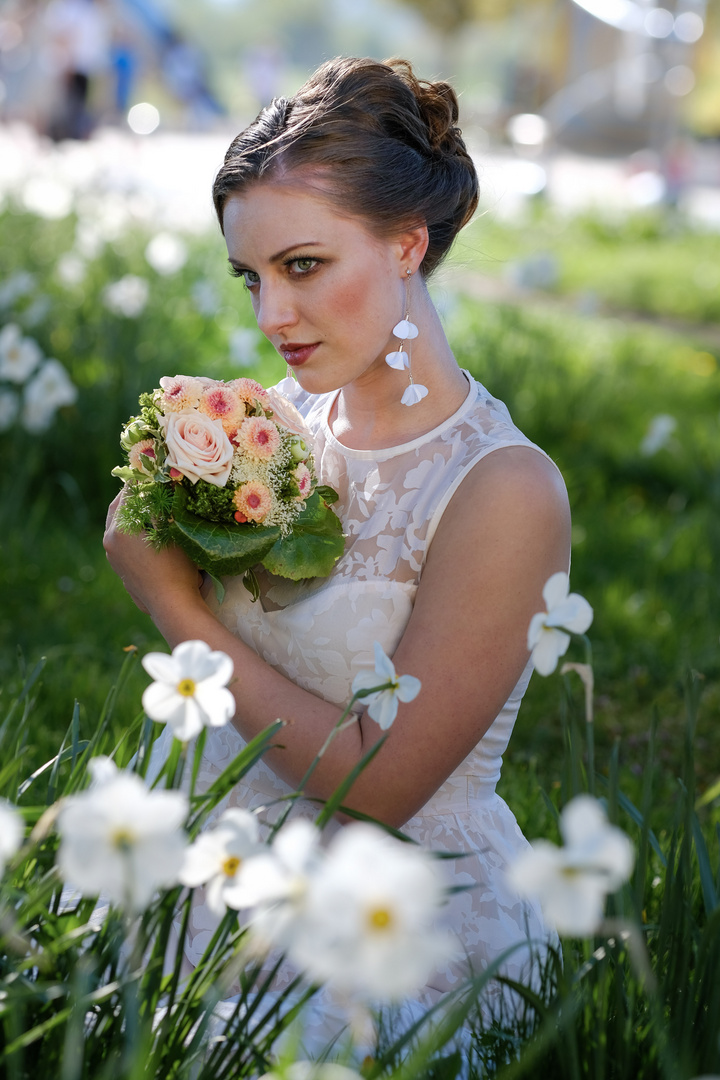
(325,291)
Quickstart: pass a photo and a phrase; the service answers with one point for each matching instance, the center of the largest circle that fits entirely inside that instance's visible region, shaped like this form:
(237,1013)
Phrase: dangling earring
(400,359)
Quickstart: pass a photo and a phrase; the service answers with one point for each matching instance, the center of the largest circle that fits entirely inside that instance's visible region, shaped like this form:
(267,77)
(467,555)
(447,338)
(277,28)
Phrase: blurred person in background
(77,46)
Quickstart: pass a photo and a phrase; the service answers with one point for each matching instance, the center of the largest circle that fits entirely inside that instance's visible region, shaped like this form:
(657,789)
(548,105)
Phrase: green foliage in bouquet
(213,468)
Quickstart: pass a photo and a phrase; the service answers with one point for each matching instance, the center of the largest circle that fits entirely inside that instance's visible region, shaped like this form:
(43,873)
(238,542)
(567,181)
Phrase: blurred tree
(449,16)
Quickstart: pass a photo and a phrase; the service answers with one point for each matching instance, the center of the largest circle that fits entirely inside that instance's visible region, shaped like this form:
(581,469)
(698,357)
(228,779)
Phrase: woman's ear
(412,245)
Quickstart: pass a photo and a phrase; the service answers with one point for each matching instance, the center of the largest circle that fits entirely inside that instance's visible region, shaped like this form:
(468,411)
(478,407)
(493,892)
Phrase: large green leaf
(217,547)
(313,547)
(311,550)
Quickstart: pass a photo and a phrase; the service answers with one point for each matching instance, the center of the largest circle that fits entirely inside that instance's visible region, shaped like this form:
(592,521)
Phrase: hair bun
(382,145)
(438,106)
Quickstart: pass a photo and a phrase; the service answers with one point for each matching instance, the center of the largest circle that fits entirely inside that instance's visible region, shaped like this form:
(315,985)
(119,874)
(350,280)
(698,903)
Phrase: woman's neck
(368,414)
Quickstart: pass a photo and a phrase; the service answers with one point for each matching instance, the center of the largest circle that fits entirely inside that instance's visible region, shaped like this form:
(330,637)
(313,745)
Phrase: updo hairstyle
(381,145)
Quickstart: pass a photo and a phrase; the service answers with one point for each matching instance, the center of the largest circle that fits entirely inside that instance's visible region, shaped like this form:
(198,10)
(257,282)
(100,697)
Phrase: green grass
(651,263)
(646,536)
(646,547)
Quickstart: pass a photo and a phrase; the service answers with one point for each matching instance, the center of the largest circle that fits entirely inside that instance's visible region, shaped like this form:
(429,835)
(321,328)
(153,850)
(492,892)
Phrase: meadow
(630,411)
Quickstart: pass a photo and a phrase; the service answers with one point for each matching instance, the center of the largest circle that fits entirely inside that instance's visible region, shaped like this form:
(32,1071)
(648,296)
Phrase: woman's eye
(250,277)
(303,265)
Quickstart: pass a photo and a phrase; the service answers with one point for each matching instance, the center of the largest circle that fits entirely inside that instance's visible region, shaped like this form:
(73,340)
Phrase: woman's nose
(274,310)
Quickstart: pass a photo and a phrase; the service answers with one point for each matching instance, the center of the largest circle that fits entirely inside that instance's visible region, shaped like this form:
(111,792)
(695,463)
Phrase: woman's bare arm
(503,534)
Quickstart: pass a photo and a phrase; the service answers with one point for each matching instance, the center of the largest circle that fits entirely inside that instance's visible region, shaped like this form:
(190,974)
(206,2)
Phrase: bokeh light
(689,27)
(143,119)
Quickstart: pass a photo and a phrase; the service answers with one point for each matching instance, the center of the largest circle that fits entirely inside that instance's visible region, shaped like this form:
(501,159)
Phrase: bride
(336,206)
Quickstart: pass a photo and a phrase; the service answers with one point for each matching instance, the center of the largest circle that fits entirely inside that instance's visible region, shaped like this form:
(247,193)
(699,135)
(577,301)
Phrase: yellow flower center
(380,918)
(230,865)
(123,839)
(186,687)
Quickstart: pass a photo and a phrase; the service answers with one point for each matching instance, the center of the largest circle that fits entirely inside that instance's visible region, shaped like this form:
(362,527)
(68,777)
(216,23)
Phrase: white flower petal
(555,589)
(398,360)
(414,394)
(384,709)
(162,667)
(405,330)
(583,816)
(551,645)
(162,702)
(217,704)
(384,667)
(367,680)
(12,830)
(408,688)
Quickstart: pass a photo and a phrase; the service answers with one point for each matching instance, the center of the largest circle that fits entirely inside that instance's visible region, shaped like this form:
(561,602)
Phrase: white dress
(320,634)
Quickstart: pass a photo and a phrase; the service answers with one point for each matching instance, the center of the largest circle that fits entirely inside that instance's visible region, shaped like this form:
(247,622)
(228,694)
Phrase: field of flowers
(98,300)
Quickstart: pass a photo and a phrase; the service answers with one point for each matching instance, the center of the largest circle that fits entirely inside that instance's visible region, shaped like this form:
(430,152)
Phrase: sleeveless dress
(320,635)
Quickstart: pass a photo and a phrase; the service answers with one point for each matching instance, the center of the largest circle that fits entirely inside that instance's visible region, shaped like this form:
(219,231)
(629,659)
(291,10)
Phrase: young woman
(336,206)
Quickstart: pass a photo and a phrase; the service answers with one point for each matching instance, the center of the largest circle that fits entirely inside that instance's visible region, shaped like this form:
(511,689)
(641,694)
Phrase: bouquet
(225,471)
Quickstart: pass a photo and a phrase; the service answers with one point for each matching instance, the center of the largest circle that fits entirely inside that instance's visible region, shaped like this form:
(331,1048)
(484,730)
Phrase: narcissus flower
(547,637)
(218,856)
(275,884)
(190,691)
(368,921)
(572,882)
(19,356)
(383,704)
(120,839)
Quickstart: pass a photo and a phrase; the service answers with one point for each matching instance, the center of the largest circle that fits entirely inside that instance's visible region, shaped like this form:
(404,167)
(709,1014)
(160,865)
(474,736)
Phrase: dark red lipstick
(295,354)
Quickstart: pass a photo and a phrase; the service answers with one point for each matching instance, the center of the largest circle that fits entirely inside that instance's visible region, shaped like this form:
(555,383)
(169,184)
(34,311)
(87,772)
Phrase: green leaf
(327,494)
(313,547)
(216,547)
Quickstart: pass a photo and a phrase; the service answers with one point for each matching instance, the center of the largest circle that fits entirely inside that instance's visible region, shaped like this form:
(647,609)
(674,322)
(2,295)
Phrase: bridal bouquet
(225,471)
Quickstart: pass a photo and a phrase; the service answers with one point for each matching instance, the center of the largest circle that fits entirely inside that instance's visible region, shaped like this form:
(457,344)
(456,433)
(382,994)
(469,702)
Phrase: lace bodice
(321,633)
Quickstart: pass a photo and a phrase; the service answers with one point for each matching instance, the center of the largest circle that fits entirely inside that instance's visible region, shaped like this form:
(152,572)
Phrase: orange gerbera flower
(259,438)
(253,501)
(249,391)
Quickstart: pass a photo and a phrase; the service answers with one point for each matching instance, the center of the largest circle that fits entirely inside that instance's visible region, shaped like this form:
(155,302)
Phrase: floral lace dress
(320,634)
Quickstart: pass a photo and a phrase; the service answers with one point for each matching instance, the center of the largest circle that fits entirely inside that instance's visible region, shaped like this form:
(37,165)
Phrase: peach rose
(198,447)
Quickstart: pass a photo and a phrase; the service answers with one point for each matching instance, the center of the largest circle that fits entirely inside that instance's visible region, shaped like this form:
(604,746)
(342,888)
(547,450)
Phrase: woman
(336,207)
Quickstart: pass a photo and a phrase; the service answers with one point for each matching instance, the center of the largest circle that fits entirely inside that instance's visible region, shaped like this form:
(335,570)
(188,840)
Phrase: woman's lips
(296,354)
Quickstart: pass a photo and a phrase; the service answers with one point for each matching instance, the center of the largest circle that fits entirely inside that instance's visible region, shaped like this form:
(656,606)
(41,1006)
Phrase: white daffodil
(383,705)
(658,435)
(49,389)
(19,356)
(367,925)
(11,832)
(121,840)
(275,883)
(190,691)
(572,882)
(127,297)
(166,253)
(217,857)
(547,637)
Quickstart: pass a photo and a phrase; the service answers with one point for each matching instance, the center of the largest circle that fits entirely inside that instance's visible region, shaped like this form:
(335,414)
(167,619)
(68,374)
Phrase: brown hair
(384,145)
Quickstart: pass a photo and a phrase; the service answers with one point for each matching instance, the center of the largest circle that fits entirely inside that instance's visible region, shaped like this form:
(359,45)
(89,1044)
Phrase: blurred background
(627,82)
(586,294)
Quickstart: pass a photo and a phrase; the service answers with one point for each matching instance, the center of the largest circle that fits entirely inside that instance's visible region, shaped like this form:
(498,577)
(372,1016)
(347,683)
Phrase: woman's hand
(151,577)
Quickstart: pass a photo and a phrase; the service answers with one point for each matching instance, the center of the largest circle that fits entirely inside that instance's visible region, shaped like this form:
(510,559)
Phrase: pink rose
(198,447)
(286,414)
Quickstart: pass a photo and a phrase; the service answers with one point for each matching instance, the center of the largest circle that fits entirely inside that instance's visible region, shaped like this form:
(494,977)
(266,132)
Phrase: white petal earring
(406,331)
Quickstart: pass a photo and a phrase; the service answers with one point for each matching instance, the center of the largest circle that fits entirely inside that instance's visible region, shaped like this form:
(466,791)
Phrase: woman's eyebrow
(237,263)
